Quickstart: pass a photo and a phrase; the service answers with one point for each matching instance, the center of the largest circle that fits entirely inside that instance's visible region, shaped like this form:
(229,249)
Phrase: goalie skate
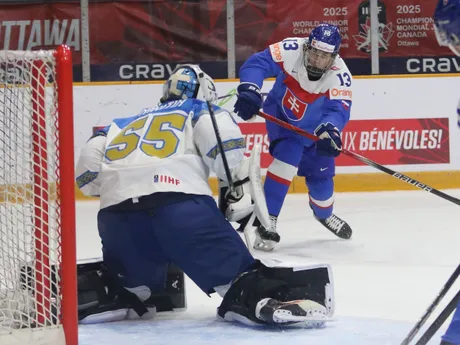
(337,226)
(310,313)
(266,239)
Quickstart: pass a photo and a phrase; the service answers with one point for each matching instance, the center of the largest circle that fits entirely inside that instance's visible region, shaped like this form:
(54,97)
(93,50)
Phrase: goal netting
(33,198)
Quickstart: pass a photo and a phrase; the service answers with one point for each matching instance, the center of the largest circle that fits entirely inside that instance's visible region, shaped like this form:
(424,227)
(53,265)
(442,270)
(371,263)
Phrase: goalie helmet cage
(38,293)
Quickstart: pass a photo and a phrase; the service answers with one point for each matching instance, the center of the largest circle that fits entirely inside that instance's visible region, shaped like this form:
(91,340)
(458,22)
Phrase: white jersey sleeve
(232,141)
(89,166)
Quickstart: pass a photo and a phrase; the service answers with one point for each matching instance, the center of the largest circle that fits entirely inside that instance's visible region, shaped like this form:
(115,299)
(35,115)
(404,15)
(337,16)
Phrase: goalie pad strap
(128,298)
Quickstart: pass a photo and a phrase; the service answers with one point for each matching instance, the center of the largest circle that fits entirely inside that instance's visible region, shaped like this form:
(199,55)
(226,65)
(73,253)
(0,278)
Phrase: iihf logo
(385,30)
(165,179)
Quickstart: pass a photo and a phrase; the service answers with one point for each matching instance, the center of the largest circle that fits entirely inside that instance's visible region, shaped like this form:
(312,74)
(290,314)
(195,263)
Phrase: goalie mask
(321,50)
(184,83)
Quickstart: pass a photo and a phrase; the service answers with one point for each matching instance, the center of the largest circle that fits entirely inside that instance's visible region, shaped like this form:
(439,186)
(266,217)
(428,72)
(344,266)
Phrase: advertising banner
(405,26)
(386,141)
(144,40)
(397,141)
(388,125)
(255,134)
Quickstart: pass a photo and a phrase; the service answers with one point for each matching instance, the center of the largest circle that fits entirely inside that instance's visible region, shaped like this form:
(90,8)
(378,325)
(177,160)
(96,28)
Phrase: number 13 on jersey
(159,139)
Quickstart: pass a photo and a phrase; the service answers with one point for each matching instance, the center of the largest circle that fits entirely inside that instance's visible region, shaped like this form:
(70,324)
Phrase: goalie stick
(231,186)
(431,308)
(395,174)
(205,87)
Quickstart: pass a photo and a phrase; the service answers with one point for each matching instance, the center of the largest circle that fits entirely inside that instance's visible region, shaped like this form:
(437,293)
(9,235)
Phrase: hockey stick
(395,174)
(425,338)
(432,306)
(231,186)
(207,97)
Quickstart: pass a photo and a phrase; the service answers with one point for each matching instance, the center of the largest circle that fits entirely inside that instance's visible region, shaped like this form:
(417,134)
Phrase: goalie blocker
(100,299)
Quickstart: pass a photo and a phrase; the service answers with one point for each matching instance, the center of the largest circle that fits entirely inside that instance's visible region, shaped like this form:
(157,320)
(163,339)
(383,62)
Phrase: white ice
(404,247)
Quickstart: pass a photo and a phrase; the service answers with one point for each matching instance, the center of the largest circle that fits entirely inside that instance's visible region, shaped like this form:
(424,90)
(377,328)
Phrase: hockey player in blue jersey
(313,92)
(447,30)
(151,172)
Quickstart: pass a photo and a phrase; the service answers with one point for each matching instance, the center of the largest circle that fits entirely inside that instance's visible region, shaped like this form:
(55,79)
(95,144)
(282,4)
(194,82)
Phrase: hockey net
(37,221)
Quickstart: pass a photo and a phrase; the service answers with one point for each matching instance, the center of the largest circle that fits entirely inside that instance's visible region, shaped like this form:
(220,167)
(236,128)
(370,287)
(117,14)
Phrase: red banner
(405,26)
(164,31)
(255,134)
(388,142)
(121,31)
(397,141)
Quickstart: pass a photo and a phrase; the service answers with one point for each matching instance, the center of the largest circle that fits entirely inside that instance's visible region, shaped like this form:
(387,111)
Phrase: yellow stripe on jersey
(228,145)
(85,178)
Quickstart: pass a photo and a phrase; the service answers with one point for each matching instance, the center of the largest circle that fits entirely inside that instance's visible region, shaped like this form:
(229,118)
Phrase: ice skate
(337,226)
(266,239)
(300,311)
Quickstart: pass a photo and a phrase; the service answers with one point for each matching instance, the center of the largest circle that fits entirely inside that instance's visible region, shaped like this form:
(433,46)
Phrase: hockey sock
(321,195)
(287,155)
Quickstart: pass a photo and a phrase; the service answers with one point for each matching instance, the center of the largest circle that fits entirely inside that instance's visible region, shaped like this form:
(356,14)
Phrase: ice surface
(404,247)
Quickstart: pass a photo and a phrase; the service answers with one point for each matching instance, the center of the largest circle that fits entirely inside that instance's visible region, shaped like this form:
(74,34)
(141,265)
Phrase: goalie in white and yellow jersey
(151,172)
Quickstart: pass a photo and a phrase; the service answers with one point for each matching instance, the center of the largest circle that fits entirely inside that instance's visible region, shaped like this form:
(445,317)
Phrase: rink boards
(407,122)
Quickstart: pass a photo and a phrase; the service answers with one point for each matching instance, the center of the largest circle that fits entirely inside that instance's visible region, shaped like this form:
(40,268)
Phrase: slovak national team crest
(294,108)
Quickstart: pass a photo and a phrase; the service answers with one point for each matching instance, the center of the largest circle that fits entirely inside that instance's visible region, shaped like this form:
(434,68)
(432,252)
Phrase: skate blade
(344,235)
(264,246)
(300,321)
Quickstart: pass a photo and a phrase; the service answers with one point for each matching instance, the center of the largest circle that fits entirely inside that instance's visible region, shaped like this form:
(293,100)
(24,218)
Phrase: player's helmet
(447,24)
(184,83)
(321,49)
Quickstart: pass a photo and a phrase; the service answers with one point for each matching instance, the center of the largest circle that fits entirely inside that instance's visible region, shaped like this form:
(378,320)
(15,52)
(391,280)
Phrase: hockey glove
(329,143)
(249,101)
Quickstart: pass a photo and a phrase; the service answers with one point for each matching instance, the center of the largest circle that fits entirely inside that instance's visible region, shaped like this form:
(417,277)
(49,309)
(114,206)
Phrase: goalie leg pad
(173,295)
(101,299)
(282,284)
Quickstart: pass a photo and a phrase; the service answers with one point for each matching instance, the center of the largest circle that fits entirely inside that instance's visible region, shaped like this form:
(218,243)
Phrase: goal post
(38,292)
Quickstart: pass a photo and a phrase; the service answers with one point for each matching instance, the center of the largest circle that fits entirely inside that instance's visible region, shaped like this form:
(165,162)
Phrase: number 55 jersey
(294,97)
(168,148)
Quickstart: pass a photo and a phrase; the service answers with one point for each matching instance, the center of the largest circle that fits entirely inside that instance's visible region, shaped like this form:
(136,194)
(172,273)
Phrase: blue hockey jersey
(303,103)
